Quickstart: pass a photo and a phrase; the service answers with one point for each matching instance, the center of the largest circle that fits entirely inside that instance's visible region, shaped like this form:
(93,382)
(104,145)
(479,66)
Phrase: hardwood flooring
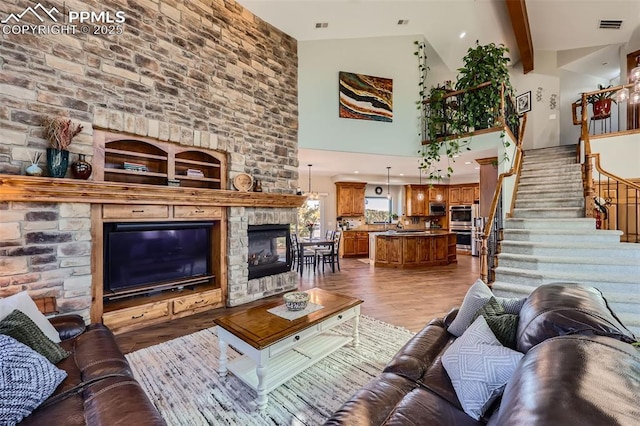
(405,297)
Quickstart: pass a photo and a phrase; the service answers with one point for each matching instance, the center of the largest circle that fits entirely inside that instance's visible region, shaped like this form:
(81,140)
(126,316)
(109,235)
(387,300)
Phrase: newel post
(484,260)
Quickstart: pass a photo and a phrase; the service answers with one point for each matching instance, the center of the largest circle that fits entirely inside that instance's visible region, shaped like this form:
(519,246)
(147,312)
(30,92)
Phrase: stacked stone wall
(198,73)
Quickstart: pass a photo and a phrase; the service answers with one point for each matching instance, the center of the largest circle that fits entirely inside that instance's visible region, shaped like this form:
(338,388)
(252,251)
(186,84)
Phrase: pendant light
(420,192)
(311,195)
(388,193)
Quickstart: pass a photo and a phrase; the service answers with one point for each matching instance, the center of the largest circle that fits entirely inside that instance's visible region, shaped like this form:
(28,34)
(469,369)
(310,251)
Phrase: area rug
(180,377)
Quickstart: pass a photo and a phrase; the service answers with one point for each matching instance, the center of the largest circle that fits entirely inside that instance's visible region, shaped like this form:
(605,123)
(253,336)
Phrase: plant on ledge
(483,64)
(59,131)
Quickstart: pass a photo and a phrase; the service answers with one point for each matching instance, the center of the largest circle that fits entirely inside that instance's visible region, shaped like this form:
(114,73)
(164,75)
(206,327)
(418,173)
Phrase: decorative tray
(243,182)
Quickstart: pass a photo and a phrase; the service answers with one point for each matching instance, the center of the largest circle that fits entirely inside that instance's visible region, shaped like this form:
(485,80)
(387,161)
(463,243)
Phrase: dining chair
(307,257)
(330,255)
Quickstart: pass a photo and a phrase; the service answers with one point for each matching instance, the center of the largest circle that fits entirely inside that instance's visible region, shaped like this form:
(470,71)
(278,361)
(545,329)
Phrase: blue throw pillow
(27,379)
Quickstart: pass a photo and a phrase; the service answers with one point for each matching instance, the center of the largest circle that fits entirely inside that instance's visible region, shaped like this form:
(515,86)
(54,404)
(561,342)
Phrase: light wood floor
(408,298)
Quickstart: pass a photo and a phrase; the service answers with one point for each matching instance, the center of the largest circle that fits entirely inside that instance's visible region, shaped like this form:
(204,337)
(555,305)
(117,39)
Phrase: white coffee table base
(266,369)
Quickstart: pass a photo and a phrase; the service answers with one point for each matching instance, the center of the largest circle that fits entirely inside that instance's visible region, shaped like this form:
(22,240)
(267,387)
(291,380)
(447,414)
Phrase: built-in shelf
(134,173)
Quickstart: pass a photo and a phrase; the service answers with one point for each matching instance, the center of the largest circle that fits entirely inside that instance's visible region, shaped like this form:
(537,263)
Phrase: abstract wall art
(365,97)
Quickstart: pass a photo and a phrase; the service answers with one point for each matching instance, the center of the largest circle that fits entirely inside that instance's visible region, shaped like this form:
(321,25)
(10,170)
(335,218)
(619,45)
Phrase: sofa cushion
(503,325)
(574,380)
(20,327)
(28,379)
(393,400)
(563,309)
(479,367)
(477,295)
(24,303)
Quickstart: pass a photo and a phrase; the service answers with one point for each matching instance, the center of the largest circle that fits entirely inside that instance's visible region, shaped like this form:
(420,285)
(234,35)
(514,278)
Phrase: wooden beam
(520,23)
(30,189)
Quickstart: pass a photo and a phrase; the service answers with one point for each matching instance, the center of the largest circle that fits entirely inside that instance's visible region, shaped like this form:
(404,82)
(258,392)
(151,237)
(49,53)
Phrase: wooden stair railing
(492,234)
(612,200)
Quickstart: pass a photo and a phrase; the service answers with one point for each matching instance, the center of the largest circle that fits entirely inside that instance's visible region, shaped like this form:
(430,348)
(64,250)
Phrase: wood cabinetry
(408,251)
(418,197)
(350,198)
(463,194)
(118,158)
(354,244)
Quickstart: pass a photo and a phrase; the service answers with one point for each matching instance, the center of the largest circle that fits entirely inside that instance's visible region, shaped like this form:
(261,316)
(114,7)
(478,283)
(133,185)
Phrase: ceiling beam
(520,23)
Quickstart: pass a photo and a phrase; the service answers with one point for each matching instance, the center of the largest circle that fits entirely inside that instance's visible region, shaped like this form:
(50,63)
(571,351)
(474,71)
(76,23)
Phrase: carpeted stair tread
(605,249)
(571,224)
(595,259)
(577,277)
(551,202)
(549,212)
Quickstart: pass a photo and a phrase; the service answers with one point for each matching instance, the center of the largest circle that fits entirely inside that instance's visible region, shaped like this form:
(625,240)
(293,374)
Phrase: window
(377,209)
(309,213)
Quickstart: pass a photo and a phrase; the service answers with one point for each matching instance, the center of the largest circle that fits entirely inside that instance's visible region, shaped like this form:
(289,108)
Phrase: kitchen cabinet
(418,197)
(454,196)
(415,249)
(416,202)
(354,244)
(437,193)
(350,199)
(460,195)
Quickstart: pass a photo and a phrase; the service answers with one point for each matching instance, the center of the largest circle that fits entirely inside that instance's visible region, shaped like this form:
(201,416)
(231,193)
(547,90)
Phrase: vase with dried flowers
(59,131)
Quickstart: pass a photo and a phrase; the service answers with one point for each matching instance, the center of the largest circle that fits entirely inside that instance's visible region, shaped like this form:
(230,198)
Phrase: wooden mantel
(42,189)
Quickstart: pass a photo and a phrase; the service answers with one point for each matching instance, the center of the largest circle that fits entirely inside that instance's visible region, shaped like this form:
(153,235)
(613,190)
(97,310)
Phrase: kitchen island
(412,249)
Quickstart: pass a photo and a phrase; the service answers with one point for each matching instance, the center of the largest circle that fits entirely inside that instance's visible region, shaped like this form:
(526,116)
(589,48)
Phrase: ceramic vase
(33,170)
(81,169)
(57,162)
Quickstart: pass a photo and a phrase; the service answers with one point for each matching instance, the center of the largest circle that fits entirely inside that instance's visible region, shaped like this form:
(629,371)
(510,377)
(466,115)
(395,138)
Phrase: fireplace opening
(269,250)
(153,256)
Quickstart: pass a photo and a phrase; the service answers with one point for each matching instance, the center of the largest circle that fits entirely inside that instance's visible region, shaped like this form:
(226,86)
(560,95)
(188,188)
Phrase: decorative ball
(296,300)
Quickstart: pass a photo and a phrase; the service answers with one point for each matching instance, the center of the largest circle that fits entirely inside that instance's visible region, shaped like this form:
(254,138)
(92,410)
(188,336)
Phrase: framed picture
(523,103)
(364,97)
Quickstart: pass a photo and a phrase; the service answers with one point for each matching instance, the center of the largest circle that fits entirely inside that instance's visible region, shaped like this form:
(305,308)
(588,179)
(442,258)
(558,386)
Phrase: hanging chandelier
(420,191)
(311,195)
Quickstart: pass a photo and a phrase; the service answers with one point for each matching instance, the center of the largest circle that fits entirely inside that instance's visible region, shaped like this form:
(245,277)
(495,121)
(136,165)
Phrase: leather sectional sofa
(100,388)
(578,368)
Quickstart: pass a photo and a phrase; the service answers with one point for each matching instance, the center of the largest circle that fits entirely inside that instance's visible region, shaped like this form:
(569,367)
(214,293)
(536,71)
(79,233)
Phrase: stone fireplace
(189,87)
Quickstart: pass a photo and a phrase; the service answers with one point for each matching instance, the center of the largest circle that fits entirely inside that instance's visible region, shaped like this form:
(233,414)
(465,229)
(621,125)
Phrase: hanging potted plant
(59,131)
(484,63)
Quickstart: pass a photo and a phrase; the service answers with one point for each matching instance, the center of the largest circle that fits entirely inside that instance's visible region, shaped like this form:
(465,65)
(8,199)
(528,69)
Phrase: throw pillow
(479,367)
(23,302)
(503,325)
(28,379)
(477,295)
(20,327)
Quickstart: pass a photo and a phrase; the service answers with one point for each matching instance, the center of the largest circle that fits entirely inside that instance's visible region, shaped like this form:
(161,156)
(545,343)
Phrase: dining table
(314,242)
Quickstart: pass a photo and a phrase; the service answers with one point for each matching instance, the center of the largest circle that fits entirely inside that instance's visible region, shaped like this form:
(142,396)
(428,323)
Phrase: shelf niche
(153,162)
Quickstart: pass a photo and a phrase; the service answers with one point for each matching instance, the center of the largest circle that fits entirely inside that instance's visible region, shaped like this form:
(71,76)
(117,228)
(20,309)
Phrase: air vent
(403,21)
(322,24)
(610,24)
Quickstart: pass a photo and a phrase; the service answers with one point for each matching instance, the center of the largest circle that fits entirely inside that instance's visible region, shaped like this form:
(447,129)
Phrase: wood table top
(260,329)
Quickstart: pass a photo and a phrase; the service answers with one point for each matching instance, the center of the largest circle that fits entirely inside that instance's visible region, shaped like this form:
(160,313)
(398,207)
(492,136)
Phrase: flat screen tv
(139,257)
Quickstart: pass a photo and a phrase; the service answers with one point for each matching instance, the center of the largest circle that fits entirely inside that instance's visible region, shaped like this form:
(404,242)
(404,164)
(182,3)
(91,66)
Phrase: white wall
(543,128)
(319,63)
(619,155)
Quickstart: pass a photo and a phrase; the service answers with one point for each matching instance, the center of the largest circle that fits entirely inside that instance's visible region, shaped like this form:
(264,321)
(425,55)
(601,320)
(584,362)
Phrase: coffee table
(276,349)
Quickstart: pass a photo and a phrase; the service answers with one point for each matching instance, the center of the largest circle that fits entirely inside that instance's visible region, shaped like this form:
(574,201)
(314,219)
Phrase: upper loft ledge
(53,190)
(497,129)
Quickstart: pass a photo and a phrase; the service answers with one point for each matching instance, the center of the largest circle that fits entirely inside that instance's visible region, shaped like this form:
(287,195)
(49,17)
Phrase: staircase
(548,239)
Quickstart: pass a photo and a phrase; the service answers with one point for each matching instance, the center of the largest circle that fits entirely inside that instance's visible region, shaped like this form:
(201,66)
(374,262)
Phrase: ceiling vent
(322,24)
(610,24)
(403,21)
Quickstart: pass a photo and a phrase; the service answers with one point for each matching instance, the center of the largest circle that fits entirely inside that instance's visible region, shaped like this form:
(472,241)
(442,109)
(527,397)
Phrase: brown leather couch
(100,388)
(579,368)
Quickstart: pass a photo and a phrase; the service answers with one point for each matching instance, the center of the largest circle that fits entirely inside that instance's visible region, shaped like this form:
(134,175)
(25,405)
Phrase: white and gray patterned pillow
(26,380)
(479,367)
(476,297)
